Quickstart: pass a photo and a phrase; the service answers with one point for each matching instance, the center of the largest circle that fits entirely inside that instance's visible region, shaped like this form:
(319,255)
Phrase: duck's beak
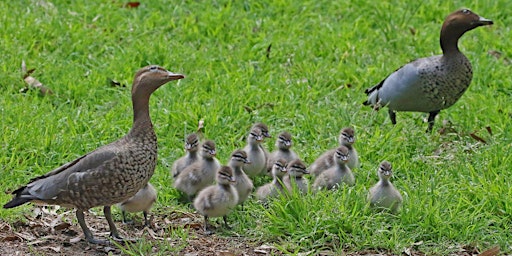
(483,21)
(174,76)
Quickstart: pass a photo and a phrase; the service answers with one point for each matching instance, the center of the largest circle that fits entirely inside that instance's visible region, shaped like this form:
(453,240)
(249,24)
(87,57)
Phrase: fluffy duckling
(384,194)
(294,178)
(433,83)
(275,187)
(142,201)
(243,183)
(201,173)
(255,153)
(283,150)
(191,147)
(217,200)
(325,161)
(337,174)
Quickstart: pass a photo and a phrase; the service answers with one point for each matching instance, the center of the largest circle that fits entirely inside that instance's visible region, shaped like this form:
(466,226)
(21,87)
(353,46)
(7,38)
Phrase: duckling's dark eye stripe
(254,134)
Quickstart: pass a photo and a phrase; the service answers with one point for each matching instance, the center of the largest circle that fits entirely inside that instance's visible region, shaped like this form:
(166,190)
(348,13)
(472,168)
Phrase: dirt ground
(49,231)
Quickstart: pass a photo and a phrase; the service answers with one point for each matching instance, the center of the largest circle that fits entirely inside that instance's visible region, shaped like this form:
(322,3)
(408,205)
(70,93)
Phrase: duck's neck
(384,182)
(449,42)
(141,119)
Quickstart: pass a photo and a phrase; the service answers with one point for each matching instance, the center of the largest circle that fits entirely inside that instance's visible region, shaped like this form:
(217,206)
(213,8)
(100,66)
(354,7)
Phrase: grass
(300,66)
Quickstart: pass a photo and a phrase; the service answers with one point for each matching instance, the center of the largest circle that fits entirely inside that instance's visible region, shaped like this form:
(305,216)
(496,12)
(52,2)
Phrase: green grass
(323,55)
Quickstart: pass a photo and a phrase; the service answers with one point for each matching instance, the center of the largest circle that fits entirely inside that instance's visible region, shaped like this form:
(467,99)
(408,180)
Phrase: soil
(53,231)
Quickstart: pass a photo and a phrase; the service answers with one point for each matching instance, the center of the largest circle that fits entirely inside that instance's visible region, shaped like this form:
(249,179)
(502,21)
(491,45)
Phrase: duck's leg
(226,222)
(207,231)
(392,116)
(146,221)
(431,119)
(87,232)
(113,230)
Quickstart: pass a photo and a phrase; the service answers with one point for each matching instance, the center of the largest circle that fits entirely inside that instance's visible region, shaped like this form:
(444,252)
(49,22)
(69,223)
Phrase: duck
(217,200)
(276,186)
(338,174)
(200,174)
(243,183)
(191,156)
(255,153)
(142,201)
(283,150)
(383,194)
(433,83)
(109,174)
(294,179)
(346,138)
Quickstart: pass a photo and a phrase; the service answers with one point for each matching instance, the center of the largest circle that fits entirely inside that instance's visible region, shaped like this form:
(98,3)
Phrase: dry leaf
(476,137)
(268,50)
(491,252)
(132,4)
(225,253)
(33,82)
(75,239)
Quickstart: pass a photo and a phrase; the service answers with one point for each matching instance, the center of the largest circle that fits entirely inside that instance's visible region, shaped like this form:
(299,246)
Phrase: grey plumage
(294,179)
(255,153)
(384,194)
(142,201)
(243,183)
(276,186)
(111,173)
(338,174)
(217,200)
(346,138)
(434,83)
(191,147)
(283,150)
(201,173)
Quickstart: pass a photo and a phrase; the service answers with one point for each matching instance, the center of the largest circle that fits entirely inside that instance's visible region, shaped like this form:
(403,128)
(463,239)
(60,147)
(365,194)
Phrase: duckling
(337,174)
(255,153)
(384,194)
(275,187)
(294,178)
(433,83)
(325,161)
(142,201)
(191,146)
(201,173)
(217,200)
(243,183)
(283,150)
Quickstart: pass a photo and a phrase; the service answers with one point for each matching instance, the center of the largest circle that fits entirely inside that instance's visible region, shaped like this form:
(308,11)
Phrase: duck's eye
(465,11)
(153,68)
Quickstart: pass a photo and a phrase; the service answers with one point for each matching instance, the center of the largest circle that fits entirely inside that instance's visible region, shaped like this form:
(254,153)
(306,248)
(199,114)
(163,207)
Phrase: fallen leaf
(476,137)
(9,238)
(225,253)
(132,4)
(488,128)
(75,239)
(412,30)
(32,81)
(491,252)
(268,51)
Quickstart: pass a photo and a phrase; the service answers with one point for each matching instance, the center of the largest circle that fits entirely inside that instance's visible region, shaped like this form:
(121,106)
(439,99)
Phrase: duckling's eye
(465,11)
(153,68)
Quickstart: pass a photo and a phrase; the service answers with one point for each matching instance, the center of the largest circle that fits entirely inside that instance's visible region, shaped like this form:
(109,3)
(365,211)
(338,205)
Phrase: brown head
(225,175)
(279,168)
(150,78)
(385,170)
(208,149)
(192,142)
(239,158)
(297,168)
(256,135)
(264,129)
(341,154)
(456,24)
(347,137)
(284,140)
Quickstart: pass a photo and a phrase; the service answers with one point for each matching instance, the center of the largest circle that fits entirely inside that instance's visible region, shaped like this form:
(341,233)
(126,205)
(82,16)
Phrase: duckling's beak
(213,152)
(305,171)
(483,21)
(287,143)
(188,146)
(267,135)
(232,179)
(247,161)
(174,76)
